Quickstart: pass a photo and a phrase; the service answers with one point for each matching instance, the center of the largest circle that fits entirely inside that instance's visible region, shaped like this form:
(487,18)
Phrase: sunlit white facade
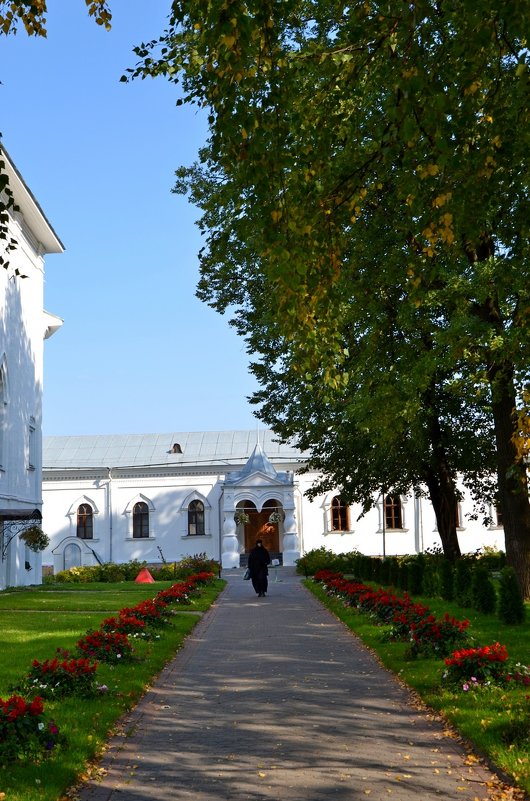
(157,497)
(23,327)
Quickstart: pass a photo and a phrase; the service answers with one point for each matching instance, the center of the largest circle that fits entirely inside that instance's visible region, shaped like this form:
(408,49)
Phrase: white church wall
(168,495)
(22,331)
(113,501)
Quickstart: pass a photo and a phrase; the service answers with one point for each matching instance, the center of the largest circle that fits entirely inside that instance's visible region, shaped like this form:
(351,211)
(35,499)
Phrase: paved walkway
(272,699)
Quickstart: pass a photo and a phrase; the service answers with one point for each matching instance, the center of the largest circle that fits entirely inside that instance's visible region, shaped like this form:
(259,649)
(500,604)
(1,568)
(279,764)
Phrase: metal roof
(135,450)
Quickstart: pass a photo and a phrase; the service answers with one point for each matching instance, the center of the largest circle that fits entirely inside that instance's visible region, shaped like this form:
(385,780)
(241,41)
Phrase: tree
(31,14)
(331,121)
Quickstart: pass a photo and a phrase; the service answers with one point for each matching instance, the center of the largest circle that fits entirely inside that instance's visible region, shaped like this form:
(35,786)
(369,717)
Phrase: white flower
(40,726)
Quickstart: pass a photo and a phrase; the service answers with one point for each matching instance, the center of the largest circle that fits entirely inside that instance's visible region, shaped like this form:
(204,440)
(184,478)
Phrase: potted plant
(35,538)
(241,517)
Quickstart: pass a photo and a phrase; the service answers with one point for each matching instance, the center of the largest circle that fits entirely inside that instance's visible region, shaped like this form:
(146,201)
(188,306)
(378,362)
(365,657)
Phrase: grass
(482,717)
(27,634)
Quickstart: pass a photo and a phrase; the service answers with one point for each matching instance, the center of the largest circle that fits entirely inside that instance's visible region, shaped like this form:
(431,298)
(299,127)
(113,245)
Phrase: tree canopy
(371,150)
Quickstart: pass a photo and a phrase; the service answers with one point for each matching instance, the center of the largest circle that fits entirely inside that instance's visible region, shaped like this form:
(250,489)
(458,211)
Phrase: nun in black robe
(258,561)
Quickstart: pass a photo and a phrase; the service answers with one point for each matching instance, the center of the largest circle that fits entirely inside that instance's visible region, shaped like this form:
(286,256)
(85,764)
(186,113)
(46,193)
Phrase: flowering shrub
(472,666)
(437,637)
(177,594)
(149,612)
(409,621)
(202,577)
(105,646)
(57,677)
(24,732)
(519,674)
(126,624)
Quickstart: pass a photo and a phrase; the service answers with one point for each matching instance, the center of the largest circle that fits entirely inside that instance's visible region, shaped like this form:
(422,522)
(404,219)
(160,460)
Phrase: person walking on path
(258,565)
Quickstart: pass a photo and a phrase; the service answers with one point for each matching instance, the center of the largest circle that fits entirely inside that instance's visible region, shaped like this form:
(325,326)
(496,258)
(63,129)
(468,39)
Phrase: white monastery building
(23,327)
(156,497)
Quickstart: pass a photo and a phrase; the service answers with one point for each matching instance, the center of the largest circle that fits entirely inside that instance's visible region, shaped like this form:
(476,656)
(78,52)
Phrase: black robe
(258,561)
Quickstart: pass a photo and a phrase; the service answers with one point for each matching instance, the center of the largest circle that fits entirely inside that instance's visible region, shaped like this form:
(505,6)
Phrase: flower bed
(126,624)
(105,646)
(57,677)
(409,621)
(149,612)
(25,734)
(470,667)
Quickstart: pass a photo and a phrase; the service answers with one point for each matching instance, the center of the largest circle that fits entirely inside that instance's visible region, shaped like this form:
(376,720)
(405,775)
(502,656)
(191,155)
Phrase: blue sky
(137,351)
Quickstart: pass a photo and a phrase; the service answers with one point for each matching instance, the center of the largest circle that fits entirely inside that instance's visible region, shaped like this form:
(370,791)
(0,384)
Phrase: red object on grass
(144,577)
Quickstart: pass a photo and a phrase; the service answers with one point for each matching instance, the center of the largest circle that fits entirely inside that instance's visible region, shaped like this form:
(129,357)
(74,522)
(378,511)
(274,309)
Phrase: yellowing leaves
(228,40)
(472,88)
(276,215)
(442,199)
(427,170)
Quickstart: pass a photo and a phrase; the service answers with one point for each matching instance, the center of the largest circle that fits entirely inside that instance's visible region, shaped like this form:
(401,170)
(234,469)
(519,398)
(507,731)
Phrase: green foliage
(491,558)
(510,605)
(366,223)
(35,538)
(446,580)
(415,570)
(483,594)
(317,559)
(128,571)
(198,563)
(462,588)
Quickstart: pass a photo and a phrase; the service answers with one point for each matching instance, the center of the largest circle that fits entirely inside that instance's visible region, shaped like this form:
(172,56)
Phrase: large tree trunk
(442,493)
(441,480)
(511,475)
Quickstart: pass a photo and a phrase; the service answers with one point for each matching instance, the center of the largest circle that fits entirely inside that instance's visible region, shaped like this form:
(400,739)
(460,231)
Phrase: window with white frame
(393,512)
(340,514)
(85,522)
(196,519)
(140,517)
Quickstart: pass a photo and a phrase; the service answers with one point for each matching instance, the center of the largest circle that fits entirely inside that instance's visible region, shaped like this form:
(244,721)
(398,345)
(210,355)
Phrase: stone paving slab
(273,699)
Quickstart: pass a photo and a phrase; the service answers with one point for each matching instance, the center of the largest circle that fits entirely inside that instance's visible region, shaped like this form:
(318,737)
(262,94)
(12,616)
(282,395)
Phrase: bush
(76,575)
(462,582)
(199,563)
(316,559)
(25,734)
(482,664)
(109,572)
(510,607)
(431,579)
(491,558)
(415,570)
(384,574)
(446,580)
(393,571)
(483,595)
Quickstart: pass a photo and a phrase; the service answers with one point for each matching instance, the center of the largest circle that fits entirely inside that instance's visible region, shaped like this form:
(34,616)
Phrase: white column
(291,545)
(230,543)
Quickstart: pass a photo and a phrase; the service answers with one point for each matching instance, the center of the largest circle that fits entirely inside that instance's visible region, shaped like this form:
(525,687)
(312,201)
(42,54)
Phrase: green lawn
(483,717)
(30,631)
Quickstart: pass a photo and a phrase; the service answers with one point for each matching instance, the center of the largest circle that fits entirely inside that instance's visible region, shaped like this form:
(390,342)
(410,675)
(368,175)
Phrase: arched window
(140,520)
(340,515)
(85,522)
(393,512)
(195,519)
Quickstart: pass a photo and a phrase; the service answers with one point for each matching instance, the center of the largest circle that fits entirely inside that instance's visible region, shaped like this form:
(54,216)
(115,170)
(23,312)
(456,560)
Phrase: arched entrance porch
(264,524)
